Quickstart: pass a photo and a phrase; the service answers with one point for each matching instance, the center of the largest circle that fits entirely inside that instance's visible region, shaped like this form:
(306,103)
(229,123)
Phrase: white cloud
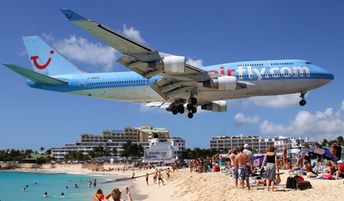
(327,123)
(133,34)
(48,37)
(241,119)
(196,62)
(278,101)
(82,50)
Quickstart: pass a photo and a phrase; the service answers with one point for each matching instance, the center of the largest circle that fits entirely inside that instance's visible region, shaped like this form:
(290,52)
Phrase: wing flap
(34,76)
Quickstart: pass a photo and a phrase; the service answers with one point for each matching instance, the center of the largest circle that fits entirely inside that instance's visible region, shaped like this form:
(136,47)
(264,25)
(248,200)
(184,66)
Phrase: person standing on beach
(271,160)
(240,162)
(147,176)
(160,178)
(249,164)
(233,170)
(284,158)
(133,176)
(168,173)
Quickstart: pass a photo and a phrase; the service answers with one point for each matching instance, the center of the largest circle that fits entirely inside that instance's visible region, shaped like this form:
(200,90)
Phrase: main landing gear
(176,107)
(302,101)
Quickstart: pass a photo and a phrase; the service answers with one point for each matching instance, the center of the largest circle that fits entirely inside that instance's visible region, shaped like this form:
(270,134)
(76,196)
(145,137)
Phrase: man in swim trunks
(233,170)
(240,162)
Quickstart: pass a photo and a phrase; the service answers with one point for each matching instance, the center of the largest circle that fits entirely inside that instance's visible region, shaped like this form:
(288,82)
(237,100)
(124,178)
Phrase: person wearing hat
(340,171)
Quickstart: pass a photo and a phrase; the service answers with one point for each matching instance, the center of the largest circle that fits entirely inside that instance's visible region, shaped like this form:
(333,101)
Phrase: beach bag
(291,183)
(304,185)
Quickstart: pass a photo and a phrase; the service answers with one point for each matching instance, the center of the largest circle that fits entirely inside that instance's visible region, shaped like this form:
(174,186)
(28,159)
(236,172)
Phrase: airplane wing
(177,76)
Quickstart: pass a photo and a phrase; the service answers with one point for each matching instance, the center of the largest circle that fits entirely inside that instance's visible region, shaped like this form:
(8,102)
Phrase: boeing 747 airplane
(165,80)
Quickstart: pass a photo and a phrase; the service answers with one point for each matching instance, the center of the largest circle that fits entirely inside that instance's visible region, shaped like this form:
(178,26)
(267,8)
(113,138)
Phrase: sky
(207,33)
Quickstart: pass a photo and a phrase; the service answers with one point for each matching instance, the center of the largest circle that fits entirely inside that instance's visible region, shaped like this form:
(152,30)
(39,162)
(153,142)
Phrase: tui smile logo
(41,67)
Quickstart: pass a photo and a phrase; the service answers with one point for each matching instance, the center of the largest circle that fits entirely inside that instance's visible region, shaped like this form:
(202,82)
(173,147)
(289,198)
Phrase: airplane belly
(127,94)
(263,88)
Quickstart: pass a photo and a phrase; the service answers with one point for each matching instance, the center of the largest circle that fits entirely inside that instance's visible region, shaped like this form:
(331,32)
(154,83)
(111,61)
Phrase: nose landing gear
(302,101)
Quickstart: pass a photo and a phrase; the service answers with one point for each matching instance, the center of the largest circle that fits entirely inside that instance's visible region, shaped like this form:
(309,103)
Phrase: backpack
(291,182)
(304,185)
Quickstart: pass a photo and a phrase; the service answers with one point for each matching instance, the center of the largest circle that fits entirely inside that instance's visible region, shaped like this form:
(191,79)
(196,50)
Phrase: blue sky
(209,32)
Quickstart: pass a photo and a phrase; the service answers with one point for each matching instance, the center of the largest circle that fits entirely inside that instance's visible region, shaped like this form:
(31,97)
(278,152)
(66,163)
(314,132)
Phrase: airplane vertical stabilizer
(45,59)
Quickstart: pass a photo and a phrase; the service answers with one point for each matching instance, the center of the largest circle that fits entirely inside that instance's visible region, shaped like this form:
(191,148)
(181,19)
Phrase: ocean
(12,184)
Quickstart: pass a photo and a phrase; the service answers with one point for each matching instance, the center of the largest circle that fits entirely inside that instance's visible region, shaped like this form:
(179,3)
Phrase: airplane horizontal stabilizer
(34,76)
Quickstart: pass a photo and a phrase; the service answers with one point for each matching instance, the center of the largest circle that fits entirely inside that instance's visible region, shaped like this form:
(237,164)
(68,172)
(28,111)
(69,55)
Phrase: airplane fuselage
(268,77)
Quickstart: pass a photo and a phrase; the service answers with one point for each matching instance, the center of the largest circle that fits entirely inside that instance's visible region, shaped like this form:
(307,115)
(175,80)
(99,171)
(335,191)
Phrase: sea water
(12,186)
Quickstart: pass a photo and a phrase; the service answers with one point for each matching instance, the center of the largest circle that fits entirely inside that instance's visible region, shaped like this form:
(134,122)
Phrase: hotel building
(114,139)
(258,144)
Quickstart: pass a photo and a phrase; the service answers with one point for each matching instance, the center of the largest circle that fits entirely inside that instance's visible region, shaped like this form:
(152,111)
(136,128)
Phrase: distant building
(113,139)
(258,144)
(164,149)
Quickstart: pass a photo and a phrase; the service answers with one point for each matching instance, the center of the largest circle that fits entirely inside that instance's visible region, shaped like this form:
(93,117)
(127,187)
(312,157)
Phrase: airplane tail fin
(45,59)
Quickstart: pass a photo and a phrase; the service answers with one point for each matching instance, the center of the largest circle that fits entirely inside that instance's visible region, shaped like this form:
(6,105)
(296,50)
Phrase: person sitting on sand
(298,165)
(309,171)
(340,171)
(271,159)
(330,169)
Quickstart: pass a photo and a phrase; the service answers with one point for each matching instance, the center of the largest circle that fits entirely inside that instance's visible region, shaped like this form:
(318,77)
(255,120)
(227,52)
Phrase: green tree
(131,150)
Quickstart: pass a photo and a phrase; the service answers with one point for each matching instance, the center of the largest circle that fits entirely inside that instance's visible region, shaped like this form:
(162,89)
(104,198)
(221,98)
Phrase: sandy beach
(186,186)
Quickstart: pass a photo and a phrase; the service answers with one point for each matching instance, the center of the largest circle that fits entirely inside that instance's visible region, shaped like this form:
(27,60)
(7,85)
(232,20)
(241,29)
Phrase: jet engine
(226,83)
(174,64)
(216,106)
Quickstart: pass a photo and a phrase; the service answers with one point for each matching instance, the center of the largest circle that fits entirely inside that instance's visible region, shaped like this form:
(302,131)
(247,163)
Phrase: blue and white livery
(164,80)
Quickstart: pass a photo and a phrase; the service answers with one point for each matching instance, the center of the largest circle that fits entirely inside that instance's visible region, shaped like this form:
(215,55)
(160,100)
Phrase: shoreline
(186,186)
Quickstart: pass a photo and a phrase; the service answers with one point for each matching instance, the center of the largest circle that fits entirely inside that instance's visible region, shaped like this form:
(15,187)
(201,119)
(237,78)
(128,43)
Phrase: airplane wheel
(194,110)
(193,100)
(174,110)
(302,102)
(181,109)
(190,115)
(189,106)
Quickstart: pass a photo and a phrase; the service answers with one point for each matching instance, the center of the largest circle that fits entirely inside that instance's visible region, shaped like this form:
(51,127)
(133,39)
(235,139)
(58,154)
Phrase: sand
(186,186)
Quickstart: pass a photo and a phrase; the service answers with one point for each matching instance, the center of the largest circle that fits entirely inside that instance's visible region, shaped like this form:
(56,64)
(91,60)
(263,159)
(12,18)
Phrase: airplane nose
(330,76)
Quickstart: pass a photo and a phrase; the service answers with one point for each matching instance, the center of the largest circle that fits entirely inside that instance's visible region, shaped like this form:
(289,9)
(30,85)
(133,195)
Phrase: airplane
(165,80)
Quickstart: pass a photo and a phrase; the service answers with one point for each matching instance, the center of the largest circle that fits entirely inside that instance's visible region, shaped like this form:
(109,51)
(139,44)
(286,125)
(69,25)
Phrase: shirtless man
(240,162)
(233,169)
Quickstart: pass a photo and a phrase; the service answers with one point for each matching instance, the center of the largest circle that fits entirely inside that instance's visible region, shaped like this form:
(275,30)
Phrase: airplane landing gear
(302,101)
(178,107)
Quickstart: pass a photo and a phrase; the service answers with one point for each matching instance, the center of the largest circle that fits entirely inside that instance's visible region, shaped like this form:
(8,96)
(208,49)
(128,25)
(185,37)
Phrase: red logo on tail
(41,67)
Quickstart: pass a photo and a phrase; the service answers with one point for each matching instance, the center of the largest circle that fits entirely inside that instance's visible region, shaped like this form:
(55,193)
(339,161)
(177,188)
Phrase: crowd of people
(241,166)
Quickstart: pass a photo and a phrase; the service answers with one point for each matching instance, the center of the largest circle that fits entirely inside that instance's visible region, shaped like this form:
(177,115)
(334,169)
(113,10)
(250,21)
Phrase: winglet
(72,16)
